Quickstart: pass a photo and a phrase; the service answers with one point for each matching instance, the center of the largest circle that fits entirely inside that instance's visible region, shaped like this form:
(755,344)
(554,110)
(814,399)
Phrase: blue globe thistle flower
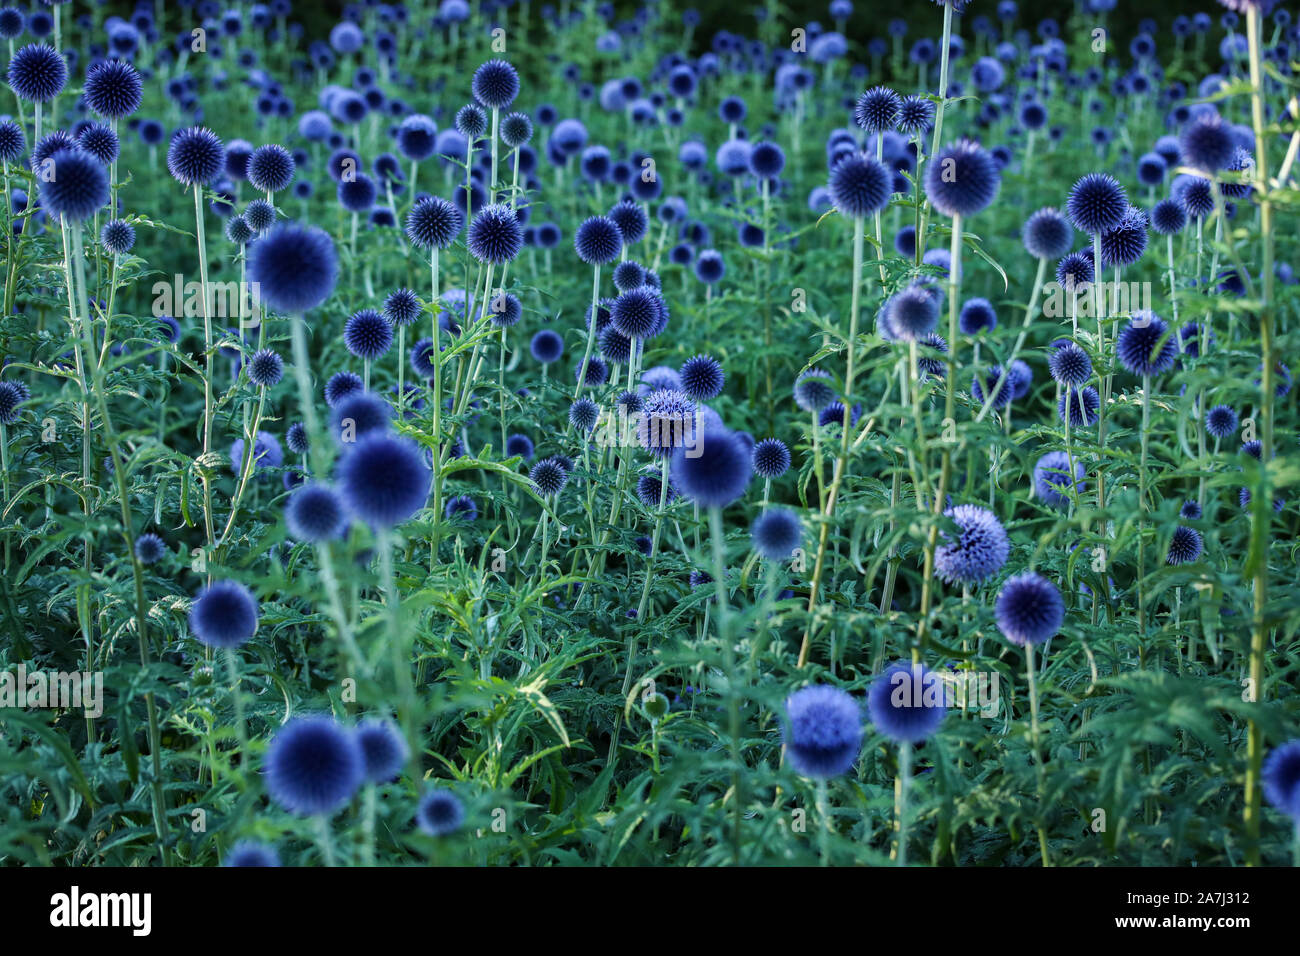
(440,813)
(417,137)
(195,156)
(224,615)
(547,346)
(977,315)
(614,346)
(518,445)
(79,187)
(649,488)
(906,703)
(99,141)
(1185,546)
(265,368)
(597,373)
(433,222)
(709,266)
(342,384)
(1151,169)
(495,234)
(636,313)
(1047,234)
(631,221)
(346,37)
(877,109)
(549,477)
(471,121)
(383,750)
(766,160)
(1125,243)
(313,766)
(266,452)
(913,313)
(260,215)
(516,129)
(384,479)
(962,179)
(859,186)
(667,421)
(983,381)
(1029,609)
(822,731)
(495,84)
(113,89)
(270,168)
(460,506)
(12,396)
(402,307)
(1075,271)
(1280,776)
(1069,364)
(813,390)
(421,356)
(37,73)
(1168,217)
(251,853)
(1136,345)
(702,378)
(987,74)
(367,334)
(776,533)
(715,471)
(915,114)
(1206,143)
(117,237)
(771,458)
(12,141)
(1190,510)
(294,266)
(296,438)
(12,23)
(359,413)
(505,311)
(1221,421)
(598,240)
(629,403)
(1052,479)
(629,275)
(979,551)
(1097,203)
(358,193)
(928,360)
(1194,194)
(315,513)
(149,548)
(1085,406)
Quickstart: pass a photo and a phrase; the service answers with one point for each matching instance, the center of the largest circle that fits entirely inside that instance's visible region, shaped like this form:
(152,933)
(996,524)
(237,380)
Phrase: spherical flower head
(814,390)
(702,378)
(1194,194)
(417,137)
(495,235)
(296,438)
(1070,365)
(1125,243)
(149,548)
(383,749)
(1207,144)
(265,368)
(771,458)
(598,240)
(516,129)
(1029,609)
(649,488)
(614,346)
(1052,481)
(250,853)
(471,121)
(979,551)
(631,220)
(12,396)
(709,266)
(37,73)
(99,141)
(976,316)
(224,615)
(12,23)
(1047,234)
(714,470)
(342,384)
(118,237)
(913,313)
(635,314)
(314,513)
(915,114)
(1097,203)
(367,334)
(433,222)
(629,275)
(461,506)
(384,479)
(440,813)
(402,307)
(357,193)
(547,346)
(359,414)
(260,215)
(113,89)
(859,186)
(984,381)
(1281,779)
(667,421)
(766,160)
(1137,343)
(549,477)
(1075,271)
(776,533)
(78,187)
(1084,406)
(822,731)
(1168,217)
(583,414)
(877,109)
(495,84)
(270,168)
(962,179)
(1185,546)
(195,156)
(12,141)
(906,703)
(313,766)
(294,267)
(1221,421)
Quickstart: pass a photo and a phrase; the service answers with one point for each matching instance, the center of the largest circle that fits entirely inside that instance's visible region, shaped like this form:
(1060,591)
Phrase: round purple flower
(1029,609)
(313,766)
(907,703)
(823,731)
(224,615)
(979,551)
(294,267)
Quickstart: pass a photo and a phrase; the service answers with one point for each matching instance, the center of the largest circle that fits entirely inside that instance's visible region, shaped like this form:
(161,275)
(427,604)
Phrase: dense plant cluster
(536,434)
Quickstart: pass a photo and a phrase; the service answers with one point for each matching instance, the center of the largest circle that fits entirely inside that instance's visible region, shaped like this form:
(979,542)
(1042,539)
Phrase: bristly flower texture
(384,479)
(224,615)
(979,551)
(1029,609)
(313,766)
(294,266)
(906,703)
(822,731)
